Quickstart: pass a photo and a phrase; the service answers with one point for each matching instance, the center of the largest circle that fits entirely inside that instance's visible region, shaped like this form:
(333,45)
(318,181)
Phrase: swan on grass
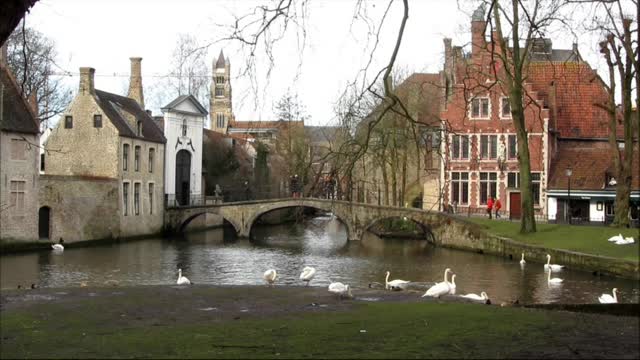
(270,276)
(608,299)
(627,240)
(482,297)
(182,280)
(522,261)
(340,289)
(307,274)
(395,284)
(441,288)
(555,281)
(553,267)
(452,285)
(616,238)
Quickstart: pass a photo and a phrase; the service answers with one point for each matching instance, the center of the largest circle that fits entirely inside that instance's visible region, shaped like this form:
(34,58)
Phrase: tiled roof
(113,104)
(17,115)
(159,120)
(589,161)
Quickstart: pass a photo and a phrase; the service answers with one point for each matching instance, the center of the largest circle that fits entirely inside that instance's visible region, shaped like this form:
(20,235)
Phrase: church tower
(221,111)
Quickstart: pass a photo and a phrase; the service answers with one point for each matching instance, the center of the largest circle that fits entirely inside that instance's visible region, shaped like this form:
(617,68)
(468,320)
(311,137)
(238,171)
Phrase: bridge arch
(426,227)
(185,222)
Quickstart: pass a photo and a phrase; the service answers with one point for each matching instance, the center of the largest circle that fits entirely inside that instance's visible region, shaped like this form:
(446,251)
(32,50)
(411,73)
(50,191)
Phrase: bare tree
(31,56)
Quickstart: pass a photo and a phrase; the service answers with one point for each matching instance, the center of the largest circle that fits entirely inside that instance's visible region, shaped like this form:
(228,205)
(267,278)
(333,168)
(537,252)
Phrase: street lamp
(568,172)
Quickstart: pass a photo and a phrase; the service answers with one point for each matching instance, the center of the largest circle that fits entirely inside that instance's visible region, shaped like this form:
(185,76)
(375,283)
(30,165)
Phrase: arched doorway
(183,176)
(44,219)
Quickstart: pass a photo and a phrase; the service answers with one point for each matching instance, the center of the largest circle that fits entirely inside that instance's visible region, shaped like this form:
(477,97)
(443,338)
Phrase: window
(219,91)
(68,122)
(18,149)
(16,200)
(151,195)
(220,120)
(136,198)
(488,146)
(480,108)
(136,159)
(512,152)
(42,162)
(610,209)
(125,198)
(460,188)
(220,80)
(125,157)
(513,181)
(97,121)
(139,127)
(505,108)
(184,127)
(459,147)
(152,154)
(488,186)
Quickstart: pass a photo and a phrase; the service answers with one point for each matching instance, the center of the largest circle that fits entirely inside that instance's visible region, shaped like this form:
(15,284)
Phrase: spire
(220,63)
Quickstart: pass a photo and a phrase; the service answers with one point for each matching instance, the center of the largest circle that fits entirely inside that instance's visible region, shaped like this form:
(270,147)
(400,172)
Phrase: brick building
(19,158)
(105,179)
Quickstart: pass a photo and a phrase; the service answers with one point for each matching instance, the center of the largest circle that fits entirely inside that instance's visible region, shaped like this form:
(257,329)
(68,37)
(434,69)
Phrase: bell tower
(221,110)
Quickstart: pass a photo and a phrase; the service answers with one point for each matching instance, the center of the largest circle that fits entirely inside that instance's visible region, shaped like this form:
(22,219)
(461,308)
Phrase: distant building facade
(106,179)
(183,126)
(221,99)
(19,159)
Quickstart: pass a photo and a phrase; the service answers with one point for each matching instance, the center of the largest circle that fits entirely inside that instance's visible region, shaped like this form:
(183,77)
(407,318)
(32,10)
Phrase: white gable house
(183,121)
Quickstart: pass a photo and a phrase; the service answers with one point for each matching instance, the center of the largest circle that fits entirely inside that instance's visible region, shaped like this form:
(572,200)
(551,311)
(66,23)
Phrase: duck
(553,267)
(441,288)
(270,276)
(182,280)
(551,280)
(482,297)
(307,274)
(522,261)
(340,289)
(395,284)
(608,299)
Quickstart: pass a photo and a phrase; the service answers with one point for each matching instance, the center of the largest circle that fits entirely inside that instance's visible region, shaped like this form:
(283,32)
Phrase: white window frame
(489,147)
(510,156)
(462,157)
(480,115)
(489,182)
(502,101)
(460,181)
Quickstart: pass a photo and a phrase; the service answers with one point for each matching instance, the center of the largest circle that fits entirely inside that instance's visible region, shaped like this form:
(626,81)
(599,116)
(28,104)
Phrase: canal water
(217,257)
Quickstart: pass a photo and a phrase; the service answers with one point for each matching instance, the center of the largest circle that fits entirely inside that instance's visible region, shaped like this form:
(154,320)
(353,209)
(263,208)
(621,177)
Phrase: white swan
(441,288)
(608,299)
(395,284)
(182,280)
(57,247)
(616,238)
(482,297)
(307,274)
(553,267)
(551,280)
(522,261)
(340,289)
(452,285)
(270,276)
(627,240)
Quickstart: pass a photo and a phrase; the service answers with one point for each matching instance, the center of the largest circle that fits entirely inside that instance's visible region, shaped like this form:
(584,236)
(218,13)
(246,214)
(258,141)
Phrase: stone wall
(19,224)
(82,208)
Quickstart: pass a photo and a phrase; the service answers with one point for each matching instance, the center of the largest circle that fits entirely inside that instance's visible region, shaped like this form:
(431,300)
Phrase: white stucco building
(183,124)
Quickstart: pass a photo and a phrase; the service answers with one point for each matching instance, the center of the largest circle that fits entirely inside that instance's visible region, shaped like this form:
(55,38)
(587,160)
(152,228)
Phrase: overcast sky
(103,34)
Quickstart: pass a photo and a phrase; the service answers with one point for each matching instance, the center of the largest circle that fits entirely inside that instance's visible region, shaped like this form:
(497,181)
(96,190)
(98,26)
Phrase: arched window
(184,127)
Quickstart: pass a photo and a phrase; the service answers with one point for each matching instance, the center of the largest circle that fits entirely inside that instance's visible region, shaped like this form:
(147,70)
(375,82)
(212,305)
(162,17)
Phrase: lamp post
(568,171)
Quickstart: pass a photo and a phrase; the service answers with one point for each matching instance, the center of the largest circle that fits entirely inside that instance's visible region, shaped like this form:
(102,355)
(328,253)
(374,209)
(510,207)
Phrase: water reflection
(217,257)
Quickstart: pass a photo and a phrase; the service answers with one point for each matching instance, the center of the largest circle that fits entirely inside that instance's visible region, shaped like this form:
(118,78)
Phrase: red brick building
(480,143)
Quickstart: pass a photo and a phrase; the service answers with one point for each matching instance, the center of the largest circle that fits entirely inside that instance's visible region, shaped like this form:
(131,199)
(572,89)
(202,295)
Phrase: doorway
(44,222)
(183,177)
(514,205)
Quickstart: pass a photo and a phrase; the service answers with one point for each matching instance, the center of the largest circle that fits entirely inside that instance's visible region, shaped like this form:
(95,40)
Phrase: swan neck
(386,279)
(445,276)
(615,296)
(548,260)
(522,256)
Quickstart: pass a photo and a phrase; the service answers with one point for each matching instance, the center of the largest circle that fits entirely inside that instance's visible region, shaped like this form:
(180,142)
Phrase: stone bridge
(357,217)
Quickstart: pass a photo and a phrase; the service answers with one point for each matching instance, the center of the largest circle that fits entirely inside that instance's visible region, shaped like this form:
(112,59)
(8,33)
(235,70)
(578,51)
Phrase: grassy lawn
(375,330)
(585,239)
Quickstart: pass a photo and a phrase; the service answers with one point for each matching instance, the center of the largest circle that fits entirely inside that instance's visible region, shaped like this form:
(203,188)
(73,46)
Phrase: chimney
(86,80)
(135,82)
(478,26)
(447,52)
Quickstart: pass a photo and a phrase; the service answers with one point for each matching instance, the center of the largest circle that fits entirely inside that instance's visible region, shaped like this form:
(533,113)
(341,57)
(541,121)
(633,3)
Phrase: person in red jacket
(497,205)
(489,206)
